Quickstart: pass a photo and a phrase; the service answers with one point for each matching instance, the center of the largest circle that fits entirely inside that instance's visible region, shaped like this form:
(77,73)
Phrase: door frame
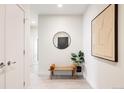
(24,81)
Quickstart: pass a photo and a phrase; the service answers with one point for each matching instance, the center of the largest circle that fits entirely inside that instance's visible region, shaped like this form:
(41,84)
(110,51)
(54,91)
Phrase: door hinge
(24,83)
(24,52)
(24,20)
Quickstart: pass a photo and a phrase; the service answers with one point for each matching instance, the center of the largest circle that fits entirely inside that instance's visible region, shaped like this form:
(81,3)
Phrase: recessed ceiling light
(33,22)
(60,5)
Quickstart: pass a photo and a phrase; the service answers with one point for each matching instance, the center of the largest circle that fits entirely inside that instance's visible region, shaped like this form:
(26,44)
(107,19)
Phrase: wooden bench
(54,68)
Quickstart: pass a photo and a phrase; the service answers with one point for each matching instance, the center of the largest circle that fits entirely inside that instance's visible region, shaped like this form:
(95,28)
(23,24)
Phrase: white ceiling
(52,9)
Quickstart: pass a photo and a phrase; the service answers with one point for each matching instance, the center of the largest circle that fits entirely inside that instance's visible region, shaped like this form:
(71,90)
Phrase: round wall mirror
(61,40)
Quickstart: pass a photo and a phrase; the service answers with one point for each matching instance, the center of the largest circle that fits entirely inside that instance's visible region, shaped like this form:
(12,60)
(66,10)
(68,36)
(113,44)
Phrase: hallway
(80,45)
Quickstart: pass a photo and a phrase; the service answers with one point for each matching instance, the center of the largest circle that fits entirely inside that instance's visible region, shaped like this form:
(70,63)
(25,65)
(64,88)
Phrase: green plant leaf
(78,59)
(73,55)
(80,53)
(74,59)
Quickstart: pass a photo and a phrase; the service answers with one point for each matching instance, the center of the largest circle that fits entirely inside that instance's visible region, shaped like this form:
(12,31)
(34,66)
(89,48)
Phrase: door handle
(2,65)
(9,63)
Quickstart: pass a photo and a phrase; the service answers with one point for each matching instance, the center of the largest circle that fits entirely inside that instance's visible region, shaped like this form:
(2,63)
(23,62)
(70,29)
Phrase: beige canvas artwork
(104,34)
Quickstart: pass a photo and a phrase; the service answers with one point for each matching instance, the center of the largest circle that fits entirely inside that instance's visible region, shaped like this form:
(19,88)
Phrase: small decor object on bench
(78,59)
(54,68)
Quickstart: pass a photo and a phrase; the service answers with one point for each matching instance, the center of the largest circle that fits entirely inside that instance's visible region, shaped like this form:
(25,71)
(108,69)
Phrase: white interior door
(2,75)
(14,38)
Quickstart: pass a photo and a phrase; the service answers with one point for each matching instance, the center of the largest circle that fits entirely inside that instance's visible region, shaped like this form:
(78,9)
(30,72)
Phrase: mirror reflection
(61,40)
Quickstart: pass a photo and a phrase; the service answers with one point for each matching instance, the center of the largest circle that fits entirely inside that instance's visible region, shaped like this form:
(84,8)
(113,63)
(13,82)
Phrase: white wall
(48,26)
(102,73)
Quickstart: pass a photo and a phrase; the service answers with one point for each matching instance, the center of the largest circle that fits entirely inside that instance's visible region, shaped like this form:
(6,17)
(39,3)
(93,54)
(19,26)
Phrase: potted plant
(78,59)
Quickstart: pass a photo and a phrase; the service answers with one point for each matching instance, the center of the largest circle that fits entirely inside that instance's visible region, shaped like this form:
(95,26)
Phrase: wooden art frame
(104,34)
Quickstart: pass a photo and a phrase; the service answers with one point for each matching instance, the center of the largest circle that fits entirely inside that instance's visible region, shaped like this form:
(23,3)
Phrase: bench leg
(51,74)
(73,74)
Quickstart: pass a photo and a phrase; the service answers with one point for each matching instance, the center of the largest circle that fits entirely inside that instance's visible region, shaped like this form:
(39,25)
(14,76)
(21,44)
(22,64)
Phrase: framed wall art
(104,34)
